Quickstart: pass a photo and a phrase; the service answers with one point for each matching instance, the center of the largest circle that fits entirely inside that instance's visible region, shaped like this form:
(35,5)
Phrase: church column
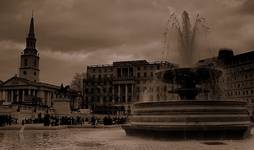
(45,97)
(1,95)
(113,94)
(126,93)
(15,95)
(119,94)
(49,97)
(12,95)
(23,95)
(39,94)
(9,95)
(6,95)
(18,94)
(132,92)
(29,92)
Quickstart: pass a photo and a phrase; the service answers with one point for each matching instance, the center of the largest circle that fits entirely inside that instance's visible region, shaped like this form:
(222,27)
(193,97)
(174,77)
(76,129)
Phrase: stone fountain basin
(190,119)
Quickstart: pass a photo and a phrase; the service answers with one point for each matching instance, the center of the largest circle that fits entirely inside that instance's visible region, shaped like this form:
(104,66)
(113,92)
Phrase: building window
(138,75)
(151,74)
(35,63)
(35,73)
(25,62)
(145,74)
(131,71)
(118,72)
(24,72)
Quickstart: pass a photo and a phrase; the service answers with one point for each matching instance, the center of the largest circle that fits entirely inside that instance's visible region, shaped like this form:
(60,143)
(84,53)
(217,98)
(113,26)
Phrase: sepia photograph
(126,74)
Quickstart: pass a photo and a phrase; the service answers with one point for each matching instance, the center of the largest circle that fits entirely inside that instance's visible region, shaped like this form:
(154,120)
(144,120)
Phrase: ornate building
(113,88)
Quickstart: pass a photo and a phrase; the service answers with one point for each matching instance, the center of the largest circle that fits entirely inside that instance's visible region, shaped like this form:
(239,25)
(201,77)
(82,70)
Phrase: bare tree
(77,81)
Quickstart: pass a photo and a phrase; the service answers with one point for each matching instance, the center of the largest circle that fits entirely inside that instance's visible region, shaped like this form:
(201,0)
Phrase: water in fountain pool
(105,139)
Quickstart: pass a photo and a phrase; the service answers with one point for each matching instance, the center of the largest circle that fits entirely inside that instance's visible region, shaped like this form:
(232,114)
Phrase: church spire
(31,29)
(31,40)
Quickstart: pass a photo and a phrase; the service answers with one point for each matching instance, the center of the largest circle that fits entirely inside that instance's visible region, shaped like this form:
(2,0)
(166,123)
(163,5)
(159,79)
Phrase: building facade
(113,88)
(237,80)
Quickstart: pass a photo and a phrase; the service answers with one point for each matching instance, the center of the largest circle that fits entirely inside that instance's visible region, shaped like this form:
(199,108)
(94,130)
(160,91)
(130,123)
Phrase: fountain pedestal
(190,118)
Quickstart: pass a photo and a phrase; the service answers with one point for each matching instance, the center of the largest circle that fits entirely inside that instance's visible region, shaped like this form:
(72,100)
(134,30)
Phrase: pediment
(16,81)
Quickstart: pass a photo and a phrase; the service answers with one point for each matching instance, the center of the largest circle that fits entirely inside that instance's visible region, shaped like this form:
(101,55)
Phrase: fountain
(189,117)
(180,34)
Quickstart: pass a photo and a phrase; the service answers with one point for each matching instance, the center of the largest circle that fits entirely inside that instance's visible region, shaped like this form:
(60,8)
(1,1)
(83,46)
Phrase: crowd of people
(107,120)
(49,120)
(7,120)
(93,120)
(63,120)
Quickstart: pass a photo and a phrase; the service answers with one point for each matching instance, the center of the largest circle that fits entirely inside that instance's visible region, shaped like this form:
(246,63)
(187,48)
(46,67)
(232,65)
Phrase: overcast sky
(72,34)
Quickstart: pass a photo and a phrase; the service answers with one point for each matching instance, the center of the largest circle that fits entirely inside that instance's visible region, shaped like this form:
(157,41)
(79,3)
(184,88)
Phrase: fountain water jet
(184,36)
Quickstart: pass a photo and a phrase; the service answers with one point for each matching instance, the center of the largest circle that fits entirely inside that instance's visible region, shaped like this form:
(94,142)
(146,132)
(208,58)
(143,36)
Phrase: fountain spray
(183,35)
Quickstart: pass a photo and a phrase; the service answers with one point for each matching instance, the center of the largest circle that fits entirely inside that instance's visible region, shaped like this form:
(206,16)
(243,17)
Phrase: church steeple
(31,29)
(29,66)
(31,40)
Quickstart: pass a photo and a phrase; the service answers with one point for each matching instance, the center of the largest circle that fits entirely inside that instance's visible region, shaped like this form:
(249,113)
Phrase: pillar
(23,95)
(1,94)
(6,95)
(119,94)
(12,95)
(50,97)
(9,95)
(113,94)
(18,95)
(45,97)
(132,92)
(126,93)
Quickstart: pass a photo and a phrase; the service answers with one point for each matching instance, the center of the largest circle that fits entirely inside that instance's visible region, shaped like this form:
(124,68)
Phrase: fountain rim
(191,101)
